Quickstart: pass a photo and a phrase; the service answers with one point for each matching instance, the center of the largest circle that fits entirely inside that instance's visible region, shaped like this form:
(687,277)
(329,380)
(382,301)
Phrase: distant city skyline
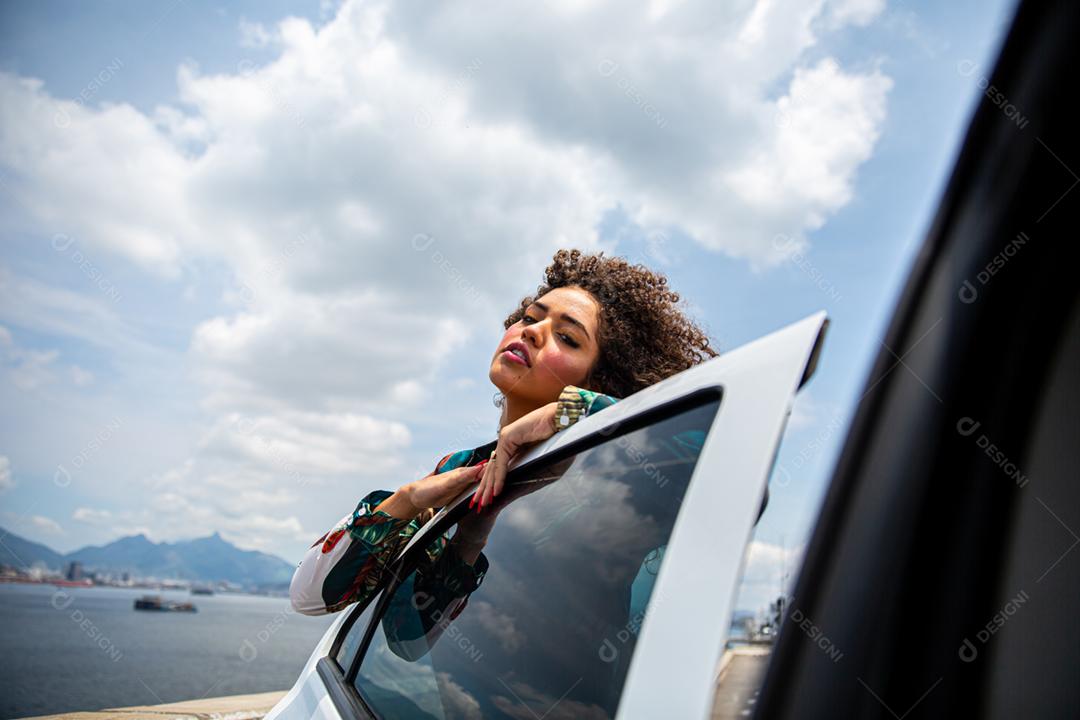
(135,560)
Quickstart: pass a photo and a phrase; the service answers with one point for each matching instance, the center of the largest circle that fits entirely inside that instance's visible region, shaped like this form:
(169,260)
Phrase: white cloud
(81,377)
(254,34)
(33,369)
(827,123)
(184,514)
(769,570)
(46,525)
(92,516)
(811,414)
(107,174)
(250,519)
(28,369)
(300,445)
(854,12)
(6,483)
(536,130)
(354,350)
(394,180)
(58,311)
(265,532)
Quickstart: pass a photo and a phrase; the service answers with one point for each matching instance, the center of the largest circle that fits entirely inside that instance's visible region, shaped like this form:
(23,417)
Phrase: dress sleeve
(437,591)
(347,564)
(595,401)
(446,575)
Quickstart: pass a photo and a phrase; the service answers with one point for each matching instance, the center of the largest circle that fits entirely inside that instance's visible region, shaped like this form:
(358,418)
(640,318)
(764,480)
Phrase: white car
(611,568)
(941,576)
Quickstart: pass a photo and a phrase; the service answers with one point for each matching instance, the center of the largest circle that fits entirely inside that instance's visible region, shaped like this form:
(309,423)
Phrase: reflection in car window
(351,642)
(572,558)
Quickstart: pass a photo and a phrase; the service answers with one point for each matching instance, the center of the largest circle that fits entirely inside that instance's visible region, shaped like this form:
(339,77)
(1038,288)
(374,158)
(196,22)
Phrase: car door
(943,567)
(611,565)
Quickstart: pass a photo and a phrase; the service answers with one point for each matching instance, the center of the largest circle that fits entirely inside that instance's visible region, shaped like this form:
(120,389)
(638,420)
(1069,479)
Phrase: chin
(502,378)
(507,381)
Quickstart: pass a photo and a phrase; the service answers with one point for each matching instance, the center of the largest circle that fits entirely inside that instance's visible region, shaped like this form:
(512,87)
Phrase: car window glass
(349,645)
(572,557)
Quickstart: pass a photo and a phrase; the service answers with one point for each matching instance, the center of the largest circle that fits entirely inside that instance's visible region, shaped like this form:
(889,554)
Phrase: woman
(597,330)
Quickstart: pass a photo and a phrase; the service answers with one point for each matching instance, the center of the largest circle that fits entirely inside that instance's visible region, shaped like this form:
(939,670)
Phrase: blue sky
(213,315)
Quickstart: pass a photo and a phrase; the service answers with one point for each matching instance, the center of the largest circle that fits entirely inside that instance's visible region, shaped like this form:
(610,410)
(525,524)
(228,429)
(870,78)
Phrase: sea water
(64,649)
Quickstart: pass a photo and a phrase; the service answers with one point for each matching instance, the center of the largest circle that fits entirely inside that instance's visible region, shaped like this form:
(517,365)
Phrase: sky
(255,257)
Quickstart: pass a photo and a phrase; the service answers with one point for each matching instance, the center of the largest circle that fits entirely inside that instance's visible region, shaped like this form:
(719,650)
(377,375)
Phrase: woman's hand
(435,490)
(513,438)
(438,489)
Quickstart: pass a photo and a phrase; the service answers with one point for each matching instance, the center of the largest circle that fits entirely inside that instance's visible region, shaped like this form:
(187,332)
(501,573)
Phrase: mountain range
(208,559)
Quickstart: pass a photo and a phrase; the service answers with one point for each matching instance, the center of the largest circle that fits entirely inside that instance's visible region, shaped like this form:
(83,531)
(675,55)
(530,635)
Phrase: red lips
(518,345)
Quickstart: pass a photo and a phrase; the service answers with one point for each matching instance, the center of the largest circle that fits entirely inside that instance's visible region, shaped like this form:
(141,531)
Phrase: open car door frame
(686,625)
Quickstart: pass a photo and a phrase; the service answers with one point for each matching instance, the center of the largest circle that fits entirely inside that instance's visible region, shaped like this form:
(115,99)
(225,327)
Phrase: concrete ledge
(228,707)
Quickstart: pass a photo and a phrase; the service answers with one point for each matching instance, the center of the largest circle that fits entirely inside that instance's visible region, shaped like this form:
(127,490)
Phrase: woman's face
(558,333)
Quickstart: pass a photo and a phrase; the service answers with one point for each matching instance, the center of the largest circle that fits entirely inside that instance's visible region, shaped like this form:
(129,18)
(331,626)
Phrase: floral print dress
(347,564)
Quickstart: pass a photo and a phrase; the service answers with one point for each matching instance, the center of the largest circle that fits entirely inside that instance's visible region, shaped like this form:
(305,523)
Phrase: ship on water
(156,602)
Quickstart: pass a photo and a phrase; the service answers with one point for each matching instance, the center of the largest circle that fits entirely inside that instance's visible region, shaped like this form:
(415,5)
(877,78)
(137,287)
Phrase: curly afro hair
(644,336)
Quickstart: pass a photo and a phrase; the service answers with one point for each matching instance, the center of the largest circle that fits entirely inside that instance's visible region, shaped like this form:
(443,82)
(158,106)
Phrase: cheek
(508,337)
(564,365)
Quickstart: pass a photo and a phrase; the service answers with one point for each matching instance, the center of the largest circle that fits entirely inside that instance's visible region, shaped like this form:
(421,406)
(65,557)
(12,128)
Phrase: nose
(531,334)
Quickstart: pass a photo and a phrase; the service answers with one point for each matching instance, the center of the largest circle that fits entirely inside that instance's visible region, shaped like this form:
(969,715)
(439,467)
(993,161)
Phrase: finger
(489,474)
(478,495)
(476,474)
(498,476)
(483,491)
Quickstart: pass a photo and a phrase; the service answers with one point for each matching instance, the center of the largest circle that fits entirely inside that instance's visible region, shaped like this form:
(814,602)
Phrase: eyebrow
(566,317)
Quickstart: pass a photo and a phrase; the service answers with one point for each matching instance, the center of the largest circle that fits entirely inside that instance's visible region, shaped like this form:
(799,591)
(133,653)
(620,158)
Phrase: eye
(566,338)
